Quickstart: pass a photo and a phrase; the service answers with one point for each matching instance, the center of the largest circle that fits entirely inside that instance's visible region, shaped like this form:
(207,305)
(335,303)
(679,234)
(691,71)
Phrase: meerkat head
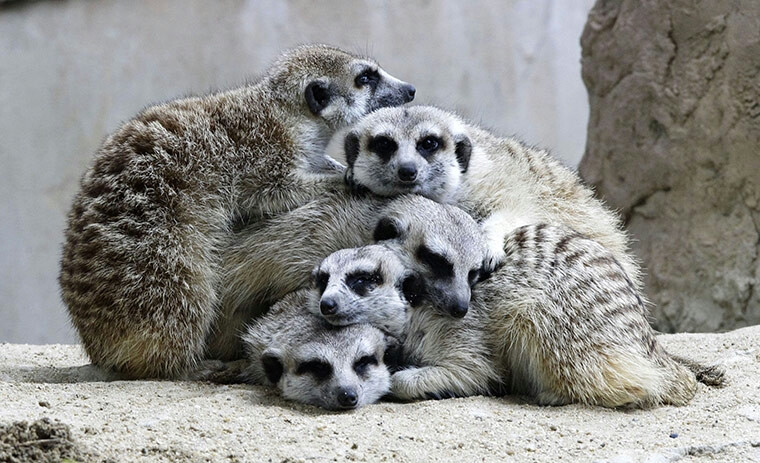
(337,368)
(420,149)
(363,285)
(443,246)
(334,85)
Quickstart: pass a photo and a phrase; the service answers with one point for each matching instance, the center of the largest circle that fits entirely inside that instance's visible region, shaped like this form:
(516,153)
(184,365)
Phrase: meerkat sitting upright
(500,181)
(311,361)
(141,263)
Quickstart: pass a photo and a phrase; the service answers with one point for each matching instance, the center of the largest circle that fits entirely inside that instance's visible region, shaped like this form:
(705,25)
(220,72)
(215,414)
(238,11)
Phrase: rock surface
(674,143)
(188,421)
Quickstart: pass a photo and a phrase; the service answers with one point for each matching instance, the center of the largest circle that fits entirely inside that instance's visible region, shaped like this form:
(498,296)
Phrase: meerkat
(560,321)
(313,362)
(567,324)
(276,256)
(141,262)
(363,285)
(503,183)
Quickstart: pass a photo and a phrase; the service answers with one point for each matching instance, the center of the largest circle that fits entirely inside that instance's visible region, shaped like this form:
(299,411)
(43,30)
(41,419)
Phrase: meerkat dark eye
(429,145)
(438,264)
(362,365)
(317,368)
(473,277)
(363,282)
(368,77)
(413,289)
(321,280)
(383,146)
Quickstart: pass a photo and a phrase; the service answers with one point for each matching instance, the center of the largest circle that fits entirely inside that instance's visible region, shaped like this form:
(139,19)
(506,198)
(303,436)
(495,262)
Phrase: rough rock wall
(674,143)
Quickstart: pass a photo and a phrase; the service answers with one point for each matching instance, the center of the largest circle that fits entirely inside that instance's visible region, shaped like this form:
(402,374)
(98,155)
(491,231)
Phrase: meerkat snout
(328,306)
(407,172)
(347,397)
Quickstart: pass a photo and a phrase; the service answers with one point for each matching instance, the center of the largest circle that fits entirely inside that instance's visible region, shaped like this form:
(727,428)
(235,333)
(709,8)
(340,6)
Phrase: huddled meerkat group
(309,231)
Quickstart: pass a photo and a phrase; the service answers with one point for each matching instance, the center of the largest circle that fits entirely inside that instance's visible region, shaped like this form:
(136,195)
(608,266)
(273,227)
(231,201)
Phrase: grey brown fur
(141,263)
(560,321)
(568,325)
(269,259)
(362,285)
(311,361)
(501,182)
(274,257)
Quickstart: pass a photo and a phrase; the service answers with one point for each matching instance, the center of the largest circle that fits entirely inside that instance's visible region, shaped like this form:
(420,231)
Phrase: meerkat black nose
(347,398)
(410,91)
(328,306)
(407,172)
(459,309)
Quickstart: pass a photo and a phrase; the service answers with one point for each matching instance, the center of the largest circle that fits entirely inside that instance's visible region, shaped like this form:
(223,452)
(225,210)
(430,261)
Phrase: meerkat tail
(710,375)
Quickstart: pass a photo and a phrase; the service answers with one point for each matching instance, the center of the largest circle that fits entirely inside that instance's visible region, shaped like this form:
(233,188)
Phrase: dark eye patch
(368,77)
(473,277)
(383,146)
(362,365)
(438,264)
(317,368)
(429,145)
(413,289)
(363,282)
(321,281)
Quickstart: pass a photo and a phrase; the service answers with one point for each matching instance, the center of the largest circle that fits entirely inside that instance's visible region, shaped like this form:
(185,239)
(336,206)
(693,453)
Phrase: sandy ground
(190,421)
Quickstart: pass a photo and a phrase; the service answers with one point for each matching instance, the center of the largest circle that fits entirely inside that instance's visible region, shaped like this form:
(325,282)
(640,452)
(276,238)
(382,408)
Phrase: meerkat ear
(317,96)
(272,364)
(463,150)
(351,147)
(387,229)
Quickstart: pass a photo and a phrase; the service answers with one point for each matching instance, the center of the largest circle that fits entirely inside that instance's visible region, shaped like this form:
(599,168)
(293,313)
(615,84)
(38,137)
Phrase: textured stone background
(71,70)
(674,143)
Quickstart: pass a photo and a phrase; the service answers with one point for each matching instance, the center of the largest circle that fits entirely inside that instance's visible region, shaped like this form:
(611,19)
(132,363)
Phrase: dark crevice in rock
(640,202)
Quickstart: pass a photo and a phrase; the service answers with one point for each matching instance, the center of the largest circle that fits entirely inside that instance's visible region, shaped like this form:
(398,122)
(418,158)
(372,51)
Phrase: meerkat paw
(494,259)
(441,395)
(551,399)
(216,371)
(423,383)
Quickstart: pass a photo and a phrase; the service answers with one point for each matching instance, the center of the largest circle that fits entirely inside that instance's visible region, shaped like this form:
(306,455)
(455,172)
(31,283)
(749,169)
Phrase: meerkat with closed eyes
(503,183)
(313,362)
(141,263)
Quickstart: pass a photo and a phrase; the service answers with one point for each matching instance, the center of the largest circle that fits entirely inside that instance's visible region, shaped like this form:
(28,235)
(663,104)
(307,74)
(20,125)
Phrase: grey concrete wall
(70,71)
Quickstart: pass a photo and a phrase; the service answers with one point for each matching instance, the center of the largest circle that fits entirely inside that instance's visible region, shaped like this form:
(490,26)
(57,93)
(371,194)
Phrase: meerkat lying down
(142,262)
(313,362)
(560,320)
(501,182)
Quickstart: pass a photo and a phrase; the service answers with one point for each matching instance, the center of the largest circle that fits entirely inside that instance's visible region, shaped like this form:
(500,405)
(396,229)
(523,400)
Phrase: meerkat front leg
(436,382)
(495,228)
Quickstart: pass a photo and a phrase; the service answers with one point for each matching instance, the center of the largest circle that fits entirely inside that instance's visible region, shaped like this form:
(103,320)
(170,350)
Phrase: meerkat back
(141,263)
(567,324)
(503,183)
